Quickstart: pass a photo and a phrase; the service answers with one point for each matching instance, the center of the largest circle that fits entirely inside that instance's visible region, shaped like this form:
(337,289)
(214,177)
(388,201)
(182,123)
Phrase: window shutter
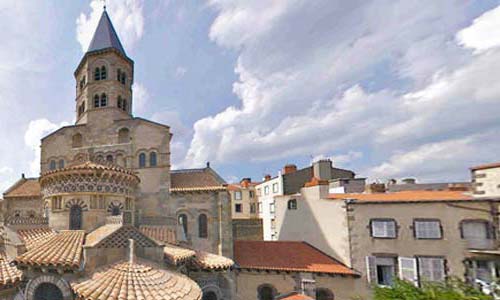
(371,269)
(408,269)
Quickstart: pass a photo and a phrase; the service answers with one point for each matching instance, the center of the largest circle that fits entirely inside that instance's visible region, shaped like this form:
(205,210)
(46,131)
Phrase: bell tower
(104,78)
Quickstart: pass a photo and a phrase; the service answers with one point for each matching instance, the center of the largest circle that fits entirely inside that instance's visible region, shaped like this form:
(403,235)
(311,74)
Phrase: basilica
(108,218)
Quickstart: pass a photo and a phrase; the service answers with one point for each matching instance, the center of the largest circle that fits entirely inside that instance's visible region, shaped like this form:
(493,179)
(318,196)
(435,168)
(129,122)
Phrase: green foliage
(452,289)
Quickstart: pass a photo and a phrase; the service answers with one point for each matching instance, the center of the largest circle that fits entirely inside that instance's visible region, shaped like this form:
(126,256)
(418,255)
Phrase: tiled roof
(89,165)
(210,261)
(175,254)
(9,275)
(35,236)
(26,187)
(405,196)
(117,236)
(486,166)
(196,180)
(62,250)
(160,233)
(290,256)
(126,280)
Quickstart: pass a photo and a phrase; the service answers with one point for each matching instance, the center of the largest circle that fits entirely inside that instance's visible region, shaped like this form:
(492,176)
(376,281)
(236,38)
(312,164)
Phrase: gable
(117,236)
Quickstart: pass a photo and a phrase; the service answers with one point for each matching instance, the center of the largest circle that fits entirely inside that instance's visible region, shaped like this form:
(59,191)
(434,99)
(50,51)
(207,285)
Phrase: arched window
(61,163)
(75,217)
(96,101)
(109,158)
(324,294)
(99,158)
(97,74)
(292,204)
(183,223)
(123,135)
(104,100)
(46,291)
(124,105)
(119,101)
(118,74)
(104,74)
(152,159)
(77,140)
(142,160)
(266,292)
(52,165)
(124,78)
(202,226)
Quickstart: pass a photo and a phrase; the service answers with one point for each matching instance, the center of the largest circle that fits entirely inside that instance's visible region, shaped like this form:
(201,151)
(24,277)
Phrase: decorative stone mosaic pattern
(129,280)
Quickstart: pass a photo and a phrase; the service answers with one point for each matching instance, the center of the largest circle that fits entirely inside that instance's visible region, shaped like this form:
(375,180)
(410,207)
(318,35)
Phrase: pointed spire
(105,35)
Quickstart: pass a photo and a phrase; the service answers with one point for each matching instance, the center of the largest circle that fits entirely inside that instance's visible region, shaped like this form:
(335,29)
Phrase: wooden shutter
(371,269)
(408,269)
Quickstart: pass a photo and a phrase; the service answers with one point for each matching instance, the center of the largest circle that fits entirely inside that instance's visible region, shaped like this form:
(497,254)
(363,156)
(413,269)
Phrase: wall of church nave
(24,207)
(219,284)
(248,284)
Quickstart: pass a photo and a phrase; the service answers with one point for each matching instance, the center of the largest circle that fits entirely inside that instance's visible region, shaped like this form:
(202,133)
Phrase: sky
(389,89)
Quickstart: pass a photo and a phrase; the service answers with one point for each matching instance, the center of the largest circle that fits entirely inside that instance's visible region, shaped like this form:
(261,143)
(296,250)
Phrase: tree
(452,289)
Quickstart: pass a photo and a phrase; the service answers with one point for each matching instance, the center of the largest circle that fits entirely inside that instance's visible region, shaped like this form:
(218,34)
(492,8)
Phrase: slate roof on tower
(105,36)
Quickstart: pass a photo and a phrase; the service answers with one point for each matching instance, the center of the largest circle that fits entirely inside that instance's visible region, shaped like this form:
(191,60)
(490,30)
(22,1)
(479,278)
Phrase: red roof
(26,187)
(405,196)
(296,296)
(486,166)
(292,256)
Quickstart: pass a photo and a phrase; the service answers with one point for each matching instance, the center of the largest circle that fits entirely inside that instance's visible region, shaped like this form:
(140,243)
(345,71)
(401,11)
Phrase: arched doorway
(48,291)
(210,295)
(75,217)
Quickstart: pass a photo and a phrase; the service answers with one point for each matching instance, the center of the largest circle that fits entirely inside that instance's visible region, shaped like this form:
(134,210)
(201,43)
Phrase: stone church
(108,218)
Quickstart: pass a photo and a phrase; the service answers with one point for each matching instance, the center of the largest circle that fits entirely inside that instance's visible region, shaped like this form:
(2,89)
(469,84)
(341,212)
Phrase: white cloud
(381,77)
(141,98)
(180,72)
(484,33)
(127,17)
(37,129)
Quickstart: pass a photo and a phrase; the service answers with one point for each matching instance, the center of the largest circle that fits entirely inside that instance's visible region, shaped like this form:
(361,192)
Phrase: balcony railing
(481,244)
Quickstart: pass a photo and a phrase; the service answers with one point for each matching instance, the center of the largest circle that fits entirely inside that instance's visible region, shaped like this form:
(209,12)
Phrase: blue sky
(388,88)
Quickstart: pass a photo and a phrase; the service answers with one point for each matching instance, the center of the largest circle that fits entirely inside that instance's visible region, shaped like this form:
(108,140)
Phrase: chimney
(245,182)
(267,177)
(322,169)
(289,168)
(22,176)
(208,164)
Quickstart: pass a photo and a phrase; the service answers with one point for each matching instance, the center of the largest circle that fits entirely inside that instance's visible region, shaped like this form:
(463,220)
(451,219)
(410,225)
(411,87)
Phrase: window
(104,74)
(115,210)
(123,135)
(119,102)
(52,165)
(478,233)
(266,292)
(275,187)
(128,204)
(61,163)
(272,208)
(431,269)
(324,294)
(383,228)
(292,204)
(266,190)
(142,160)
(152,159)
(183,223)
(202,226)
(96,101)
(81,109)
(251,194)
(104,100)
(238,208)
(124,103)
(427,229)
(97,74)
(118,74)
(380,270)
(109,158)
(75,217)
(56,202)
(252,208)
(237,195)
(123,78)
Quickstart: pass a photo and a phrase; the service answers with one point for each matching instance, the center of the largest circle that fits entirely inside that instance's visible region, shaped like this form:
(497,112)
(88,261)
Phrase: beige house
(414,235)
(486,180)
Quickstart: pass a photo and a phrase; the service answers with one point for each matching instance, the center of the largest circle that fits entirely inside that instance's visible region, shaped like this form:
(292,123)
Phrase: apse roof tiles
(160,233)
(34,236)
(9,275)
(175,254)
(210,261)
(136,280)
(62,250)
(291,256)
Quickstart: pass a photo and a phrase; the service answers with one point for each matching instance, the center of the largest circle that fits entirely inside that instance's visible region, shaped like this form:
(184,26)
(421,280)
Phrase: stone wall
(248,229)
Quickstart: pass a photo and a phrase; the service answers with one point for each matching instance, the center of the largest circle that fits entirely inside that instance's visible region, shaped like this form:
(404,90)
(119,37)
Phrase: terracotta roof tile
(29,187)
(160,233)
(89,165)
(286,256)
(486,166)
(9,275)
(296,296)
(196,179)
(35,236)
(405,196)
(140,280)
(62,250)
(175,254)
(210,261)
